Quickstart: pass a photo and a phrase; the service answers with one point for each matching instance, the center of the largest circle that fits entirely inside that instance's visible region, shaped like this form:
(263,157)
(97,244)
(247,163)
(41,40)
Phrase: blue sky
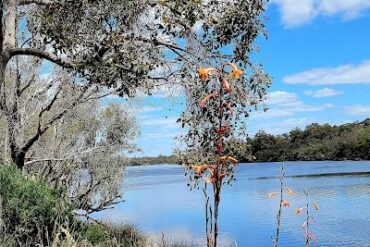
(318,55)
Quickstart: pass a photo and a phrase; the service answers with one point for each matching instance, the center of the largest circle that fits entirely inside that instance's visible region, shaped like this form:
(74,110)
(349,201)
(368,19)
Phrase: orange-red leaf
(203,102)
(200,168)
(289,191)
(226,86)
(228,158)
(285,203)
(315,205)
(203,73)
(236,73)
(271,195)
(299,210)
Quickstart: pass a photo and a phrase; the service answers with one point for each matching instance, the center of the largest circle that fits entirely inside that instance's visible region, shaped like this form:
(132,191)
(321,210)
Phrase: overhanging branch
(41,54)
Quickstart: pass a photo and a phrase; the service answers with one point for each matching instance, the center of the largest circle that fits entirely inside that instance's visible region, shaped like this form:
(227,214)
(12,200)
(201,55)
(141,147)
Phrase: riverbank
(155,161)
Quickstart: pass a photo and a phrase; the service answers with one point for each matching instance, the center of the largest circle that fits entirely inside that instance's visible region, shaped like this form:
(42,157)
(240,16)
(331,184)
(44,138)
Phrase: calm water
(157,200)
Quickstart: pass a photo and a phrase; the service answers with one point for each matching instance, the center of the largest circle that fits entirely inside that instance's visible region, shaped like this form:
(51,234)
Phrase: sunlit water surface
(157,200)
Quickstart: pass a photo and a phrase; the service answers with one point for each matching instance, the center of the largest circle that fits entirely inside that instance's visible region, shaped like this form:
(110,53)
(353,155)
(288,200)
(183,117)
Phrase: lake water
(157,200)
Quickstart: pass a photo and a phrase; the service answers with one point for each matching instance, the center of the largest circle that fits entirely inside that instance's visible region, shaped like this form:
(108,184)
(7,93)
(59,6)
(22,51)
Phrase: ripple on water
(157,200)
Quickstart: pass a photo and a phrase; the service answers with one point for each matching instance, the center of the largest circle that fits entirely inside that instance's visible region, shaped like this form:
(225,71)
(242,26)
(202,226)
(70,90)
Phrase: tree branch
(41,54)
(43,160)
(42,130)
(28,84)
(39,2)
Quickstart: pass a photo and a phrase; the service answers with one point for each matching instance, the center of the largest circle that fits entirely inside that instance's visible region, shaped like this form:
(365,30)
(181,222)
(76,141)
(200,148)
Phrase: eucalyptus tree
(116,46)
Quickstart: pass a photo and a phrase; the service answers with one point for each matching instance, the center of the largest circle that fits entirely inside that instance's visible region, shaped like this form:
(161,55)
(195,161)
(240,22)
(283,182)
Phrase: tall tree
(117,45)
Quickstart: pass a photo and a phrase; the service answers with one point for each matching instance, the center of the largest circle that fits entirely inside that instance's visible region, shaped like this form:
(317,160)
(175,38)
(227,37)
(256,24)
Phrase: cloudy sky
(318,54)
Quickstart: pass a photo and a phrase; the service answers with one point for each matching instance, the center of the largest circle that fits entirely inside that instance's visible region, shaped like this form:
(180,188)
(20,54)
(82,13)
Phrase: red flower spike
(219,148)
(222,131)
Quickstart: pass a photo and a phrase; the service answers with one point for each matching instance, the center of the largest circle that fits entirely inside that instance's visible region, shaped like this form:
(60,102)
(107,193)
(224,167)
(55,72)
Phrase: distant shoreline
(254,162)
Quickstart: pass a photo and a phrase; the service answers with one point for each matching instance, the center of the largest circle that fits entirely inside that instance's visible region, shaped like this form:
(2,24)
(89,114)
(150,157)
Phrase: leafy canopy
(127,45)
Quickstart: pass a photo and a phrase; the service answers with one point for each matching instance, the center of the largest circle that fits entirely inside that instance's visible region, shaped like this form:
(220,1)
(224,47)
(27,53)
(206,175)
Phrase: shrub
(110,235)
(95,234)
(31,210)
(34,214)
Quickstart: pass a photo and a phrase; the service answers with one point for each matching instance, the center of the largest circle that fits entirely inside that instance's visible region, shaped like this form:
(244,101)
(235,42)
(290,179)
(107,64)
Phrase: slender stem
(281,178)
(206,215)
(218,184)
(307,220)
(217,191)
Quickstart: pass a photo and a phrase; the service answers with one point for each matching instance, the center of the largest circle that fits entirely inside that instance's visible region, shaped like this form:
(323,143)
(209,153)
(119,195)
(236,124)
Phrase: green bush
(31,210)
(110,235)
(95,234)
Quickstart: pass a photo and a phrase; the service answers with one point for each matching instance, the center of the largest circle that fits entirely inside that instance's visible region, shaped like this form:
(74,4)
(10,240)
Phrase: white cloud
(167,122)
(298,12)
(357,110)
(169,91)
(285,104)
(158,135)
(321,93)
(146,109)
(344,74)
(280,127)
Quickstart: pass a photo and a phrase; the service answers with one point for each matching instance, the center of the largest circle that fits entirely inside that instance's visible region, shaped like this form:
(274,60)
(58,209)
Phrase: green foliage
(31,210)
(95,234)
(316,142)
(109,33)
(110,235)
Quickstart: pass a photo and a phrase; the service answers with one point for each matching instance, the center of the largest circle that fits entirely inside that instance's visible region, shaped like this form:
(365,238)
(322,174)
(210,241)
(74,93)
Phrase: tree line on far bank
(350,141)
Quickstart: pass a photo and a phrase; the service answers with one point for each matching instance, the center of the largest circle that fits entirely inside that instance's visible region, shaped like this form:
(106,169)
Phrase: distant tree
(315,142)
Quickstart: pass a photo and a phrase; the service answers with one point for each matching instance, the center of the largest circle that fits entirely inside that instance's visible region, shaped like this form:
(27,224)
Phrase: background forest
(350,141)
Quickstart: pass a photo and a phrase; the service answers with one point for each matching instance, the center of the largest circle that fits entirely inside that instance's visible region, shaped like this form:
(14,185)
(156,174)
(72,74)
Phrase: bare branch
(43,160)
(42,130)
(28,84)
